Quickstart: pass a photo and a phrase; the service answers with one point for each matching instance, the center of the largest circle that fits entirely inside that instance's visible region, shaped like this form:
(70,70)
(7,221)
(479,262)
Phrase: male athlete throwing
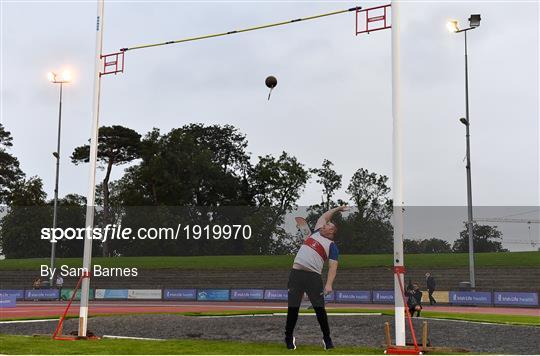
(305,276)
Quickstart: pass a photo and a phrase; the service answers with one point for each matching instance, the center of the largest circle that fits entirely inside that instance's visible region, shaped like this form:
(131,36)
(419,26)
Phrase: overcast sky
(333,98)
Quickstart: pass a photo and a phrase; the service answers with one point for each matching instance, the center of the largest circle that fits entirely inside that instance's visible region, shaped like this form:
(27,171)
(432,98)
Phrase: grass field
(500,259)
(10,344)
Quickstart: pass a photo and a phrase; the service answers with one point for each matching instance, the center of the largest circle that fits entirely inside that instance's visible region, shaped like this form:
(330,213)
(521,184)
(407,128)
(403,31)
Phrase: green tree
(193,165)
(202,175)
(369,192)
(486,238)
(367,228)
(117,145)
(432,245)
(276,184)
(21,227)
(72,214)
(10,173)
(411,246)
(329,179)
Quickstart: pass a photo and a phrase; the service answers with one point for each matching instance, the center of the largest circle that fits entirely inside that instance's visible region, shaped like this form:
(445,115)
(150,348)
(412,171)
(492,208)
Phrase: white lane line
(334,314)
(281,314)
(232,316)
(477,322)
(130,338)
(26,321)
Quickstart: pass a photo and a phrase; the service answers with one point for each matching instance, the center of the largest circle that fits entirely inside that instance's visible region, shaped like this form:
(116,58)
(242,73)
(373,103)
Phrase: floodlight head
(474,20)
(66,76)
(452,26)
(464,121)
(51,77)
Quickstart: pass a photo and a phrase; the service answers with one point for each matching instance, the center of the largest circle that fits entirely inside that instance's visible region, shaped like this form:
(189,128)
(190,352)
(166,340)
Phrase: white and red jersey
(315,251)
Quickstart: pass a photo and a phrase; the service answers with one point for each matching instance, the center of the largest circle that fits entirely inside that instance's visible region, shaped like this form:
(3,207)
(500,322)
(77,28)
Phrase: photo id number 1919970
(217,232)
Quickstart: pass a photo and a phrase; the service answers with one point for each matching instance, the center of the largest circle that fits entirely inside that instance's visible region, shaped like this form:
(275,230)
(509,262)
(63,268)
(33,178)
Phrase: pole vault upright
(397,178)
(90,199)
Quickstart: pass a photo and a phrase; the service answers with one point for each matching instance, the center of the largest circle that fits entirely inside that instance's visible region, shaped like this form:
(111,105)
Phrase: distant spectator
(59,281)
(36,284)
(415,300)
(46,283)
(430,283)
(409,286)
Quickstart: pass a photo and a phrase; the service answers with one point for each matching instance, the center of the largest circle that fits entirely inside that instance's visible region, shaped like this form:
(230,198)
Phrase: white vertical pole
(90,199)
(397,179)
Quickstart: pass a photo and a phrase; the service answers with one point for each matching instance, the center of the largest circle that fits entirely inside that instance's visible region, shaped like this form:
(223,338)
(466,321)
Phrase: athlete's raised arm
(328,215)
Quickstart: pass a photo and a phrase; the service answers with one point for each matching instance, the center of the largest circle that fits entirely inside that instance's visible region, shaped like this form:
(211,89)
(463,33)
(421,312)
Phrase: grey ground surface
(346,330)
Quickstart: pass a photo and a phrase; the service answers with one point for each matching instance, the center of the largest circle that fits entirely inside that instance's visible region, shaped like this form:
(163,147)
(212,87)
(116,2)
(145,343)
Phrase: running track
(55,309)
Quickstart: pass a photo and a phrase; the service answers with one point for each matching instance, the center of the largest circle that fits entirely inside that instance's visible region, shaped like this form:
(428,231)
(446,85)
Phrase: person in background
(36,284)
(415,300)
(409,286)
(59,281)
(430,283)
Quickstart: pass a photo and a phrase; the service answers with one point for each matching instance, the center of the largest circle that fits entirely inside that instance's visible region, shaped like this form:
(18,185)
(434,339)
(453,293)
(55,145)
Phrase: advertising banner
(111,294)
(383,296)
(180,294)
(144,294)
(516,298)
(67,293)
(18,293)
(247,294)
(41,294)
(470,298)
(330,297)
(275,294)
(8,300)
(213,294)
(353,296)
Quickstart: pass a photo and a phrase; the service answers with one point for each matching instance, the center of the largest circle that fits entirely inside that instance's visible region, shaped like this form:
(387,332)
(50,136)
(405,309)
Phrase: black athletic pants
(431,299)
(301,282)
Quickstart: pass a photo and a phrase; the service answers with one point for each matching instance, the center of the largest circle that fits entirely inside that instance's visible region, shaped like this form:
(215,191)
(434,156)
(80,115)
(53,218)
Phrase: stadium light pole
(474,22)
(55,79)
(90,199)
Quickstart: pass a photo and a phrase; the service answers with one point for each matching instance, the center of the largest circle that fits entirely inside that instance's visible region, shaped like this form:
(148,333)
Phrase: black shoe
(290,342)
(327,343)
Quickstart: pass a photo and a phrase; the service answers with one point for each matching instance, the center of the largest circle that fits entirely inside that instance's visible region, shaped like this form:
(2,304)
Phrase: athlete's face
(328,230)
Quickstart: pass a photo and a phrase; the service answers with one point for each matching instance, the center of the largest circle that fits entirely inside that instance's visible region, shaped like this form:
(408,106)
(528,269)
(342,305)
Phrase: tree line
(204,175)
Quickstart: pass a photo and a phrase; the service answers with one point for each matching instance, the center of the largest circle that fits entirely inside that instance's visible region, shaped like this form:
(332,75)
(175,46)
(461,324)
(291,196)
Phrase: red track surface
(55,309)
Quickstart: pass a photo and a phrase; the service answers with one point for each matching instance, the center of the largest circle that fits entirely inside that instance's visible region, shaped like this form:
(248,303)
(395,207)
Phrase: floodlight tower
(474,22)
(56,79)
